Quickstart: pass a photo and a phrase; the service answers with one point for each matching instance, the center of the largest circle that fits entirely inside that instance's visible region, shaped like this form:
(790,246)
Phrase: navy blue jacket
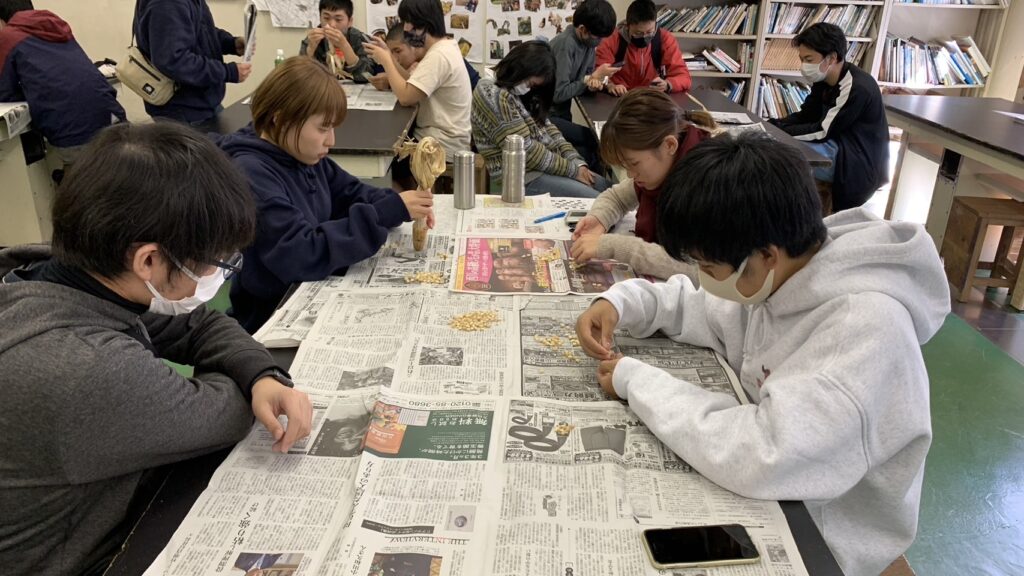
(180,39)
(314,222)
(41,63)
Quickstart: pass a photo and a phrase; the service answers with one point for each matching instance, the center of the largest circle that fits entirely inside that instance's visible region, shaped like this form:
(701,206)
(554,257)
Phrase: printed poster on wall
(463,18)
(512,22)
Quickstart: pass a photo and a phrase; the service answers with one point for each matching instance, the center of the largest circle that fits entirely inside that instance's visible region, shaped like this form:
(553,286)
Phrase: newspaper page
(398,266)
(277,512)
(249,34)
(581,481)
(421,342)
(530,266)
(293,320)
(356,341)
(424,498)
(14,119)
(554,366)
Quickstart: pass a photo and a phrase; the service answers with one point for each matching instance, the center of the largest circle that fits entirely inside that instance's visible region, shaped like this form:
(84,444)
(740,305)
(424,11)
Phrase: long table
(363,144)
(967,146)
(598,106)
(187,480)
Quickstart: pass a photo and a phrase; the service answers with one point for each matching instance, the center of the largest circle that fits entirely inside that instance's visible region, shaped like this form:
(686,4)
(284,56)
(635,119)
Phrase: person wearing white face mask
(843,118)
(518,101)
(144,233)
(822,321)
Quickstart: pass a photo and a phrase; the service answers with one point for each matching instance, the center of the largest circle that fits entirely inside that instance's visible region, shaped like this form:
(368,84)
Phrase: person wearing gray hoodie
(143,228)
(822,320)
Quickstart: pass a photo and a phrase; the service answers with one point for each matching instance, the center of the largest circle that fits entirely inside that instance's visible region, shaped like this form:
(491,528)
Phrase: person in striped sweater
(517,101)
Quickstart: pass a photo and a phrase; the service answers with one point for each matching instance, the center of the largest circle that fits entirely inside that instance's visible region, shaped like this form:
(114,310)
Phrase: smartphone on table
(573,217)
(699,546)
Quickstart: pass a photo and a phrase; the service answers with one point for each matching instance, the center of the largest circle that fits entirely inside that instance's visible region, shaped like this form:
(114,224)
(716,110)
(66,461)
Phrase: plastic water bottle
(280,58)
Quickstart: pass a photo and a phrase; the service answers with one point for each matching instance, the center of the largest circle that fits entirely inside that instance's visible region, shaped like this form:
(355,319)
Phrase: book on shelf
(721,61)
(735,91)
(854,19)
(780,54)
(913,61)
(720,20)
(780,98)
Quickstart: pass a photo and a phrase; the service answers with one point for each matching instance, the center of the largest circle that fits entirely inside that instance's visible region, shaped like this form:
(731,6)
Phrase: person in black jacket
(41,63)
(181,40)
(843,118)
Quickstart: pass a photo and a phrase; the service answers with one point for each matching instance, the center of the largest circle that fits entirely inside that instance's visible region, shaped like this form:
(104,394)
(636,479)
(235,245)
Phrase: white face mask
(812,72)
(521,89)
(726,289)
(206,289)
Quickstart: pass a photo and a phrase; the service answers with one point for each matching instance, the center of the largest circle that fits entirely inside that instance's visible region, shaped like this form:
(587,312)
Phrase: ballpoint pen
(550,217)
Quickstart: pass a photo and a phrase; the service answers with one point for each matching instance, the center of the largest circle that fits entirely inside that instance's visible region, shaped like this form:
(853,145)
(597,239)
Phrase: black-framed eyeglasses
(231,266)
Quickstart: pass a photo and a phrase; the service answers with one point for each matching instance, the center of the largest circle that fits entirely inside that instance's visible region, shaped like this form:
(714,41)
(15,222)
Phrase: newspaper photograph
(270,511)
(530,266)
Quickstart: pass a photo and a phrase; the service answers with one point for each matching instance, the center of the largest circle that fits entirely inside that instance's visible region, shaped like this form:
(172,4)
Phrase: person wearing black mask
(650,56)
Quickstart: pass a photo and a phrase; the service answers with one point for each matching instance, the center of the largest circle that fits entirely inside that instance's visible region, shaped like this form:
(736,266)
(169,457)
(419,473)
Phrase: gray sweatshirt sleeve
(645,257)
(614,203)
(365,63)
(138,413)
(566,87)
(211,342)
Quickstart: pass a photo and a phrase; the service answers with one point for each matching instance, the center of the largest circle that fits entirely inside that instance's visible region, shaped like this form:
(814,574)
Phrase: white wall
(1009,65)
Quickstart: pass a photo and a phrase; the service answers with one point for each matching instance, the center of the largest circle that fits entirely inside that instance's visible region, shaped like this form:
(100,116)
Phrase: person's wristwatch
(279,376)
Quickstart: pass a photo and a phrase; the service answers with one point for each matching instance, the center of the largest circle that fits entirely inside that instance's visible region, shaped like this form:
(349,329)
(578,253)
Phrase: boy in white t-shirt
(439,84)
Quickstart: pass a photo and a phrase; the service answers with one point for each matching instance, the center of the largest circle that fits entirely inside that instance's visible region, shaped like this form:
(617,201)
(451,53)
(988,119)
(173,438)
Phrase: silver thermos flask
(464,173)
(513,161)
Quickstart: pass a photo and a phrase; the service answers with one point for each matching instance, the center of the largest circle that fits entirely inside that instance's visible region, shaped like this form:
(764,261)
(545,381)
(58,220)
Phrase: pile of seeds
(476,321)
(425,278)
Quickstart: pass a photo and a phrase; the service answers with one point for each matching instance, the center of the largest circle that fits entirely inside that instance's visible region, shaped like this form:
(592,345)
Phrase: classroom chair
(969,220)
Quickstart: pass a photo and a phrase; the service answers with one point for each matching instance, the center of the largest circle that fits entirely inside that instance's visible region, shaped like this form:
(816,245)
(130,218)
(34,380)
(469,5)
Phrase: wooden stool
(969,220)
(445,184)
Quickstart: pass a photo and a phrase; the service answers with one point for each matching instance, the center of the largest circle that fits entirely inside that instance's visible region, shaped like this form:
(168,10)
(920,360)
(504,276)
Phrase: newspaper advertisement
(423,501)
(270,511)
(581,481)
(293,320)
(555,367)
(530,266)
(421,342)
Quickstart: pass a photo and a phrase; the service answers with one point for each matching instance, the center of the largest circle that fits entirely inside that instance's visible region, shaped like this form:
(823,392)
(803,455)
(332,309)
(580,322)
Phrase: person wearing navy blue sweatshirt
(315,219)
(181,40)
(41,63)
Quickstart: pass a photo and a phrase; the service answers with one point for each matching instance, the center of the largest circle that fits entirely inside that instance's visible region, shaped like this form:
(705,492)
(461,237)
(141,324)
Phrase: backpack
(620,54)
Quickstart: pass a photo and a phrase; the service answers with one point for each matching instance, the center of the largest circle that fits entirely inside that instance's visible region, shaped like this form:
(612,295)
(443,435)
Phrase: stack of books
(780,54)
(721,61)
(914,62)
(723,19)
(779,98)
(855,20)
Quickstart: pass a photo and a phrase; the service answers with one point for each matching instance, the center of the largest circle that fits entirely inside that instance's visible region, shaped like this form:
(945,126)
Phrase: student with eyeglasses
(146,228)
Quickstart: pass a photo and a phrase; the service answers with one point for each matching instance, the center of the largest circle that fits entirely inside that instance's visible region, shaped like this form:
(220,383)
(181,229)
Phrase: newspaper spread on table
(460,434)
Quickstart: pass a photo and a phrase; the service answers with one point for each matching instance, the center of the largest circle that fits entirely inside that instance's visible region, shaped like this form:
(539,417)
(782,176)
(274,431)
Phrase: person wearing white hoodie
(823,322)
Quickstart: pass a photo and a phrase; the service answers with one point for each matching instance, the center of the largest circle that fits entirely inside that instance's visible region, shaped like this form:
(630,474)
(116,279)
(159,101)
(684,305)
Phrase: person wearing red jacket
(649,56)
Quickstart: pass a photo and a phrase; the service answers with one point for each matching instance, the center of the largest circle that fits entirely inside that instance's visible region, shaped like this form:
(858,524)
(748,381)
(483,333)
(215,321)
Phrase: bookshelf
(874,21)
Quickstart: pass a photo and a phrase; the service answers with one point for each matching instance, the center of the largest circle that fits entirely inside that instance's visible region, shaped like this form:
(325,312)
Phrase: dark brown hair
(296,90)
(640,121)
